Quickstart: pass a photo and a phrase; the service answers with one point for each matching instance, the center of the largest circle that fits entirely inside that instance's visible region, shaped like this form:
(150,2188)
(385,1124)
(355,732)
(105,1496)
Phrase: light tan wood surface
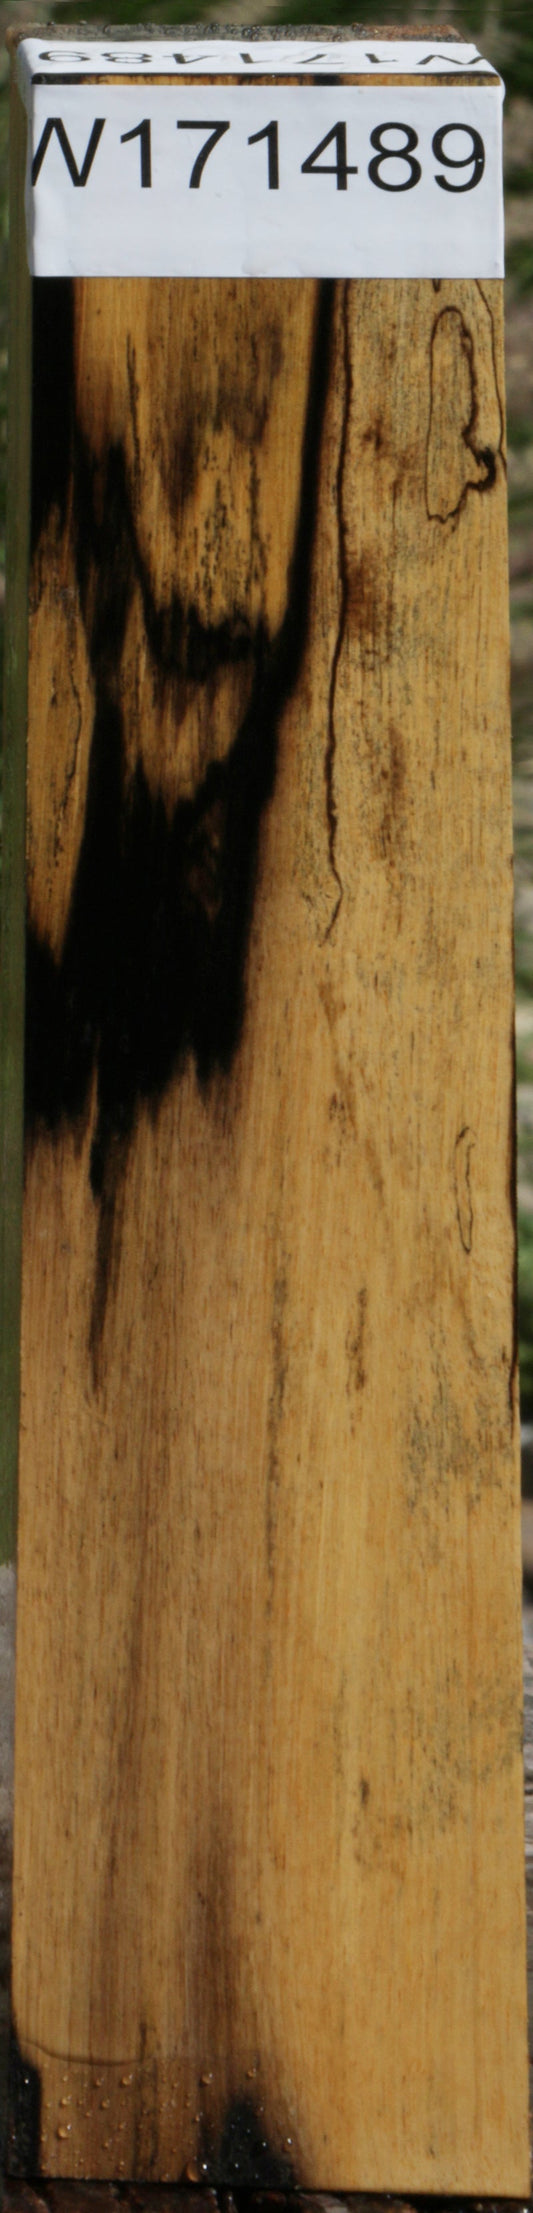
(269,1892)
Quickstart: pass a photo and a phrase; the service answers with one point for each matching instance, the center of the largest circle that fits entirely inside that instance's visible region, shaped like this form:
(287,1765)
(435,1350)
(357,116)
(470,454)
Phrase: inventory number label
(232,56)
(276,181)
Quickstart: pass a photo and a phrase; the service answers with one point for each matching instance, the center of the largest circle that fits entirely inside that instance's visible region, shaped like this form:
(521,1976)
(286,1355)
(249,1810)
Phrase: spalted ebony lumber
(268,1733)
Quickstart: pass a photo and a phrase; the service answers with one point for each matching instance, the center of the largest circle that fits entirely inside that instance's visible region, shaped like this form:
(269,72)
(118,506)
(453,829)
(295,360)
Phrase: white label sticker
(305,180)
(231,57)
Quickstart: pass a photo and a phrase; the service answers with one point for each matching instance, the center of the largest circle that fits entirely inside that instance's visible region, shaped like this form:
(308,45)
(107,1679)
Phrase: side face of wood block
(268,1892)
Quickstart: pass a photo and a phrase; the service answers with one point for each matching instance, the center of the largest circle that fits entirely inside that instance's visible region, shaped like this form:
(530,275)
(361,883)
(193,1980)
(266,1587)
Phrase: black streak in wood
(23,2115)
(243,2159)
(52,399)
(154,959)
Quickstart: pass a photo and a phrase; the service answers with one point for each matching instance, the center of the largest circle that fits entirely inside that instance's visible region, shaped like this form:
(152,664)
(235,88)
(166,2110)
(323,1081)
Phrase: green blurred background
(505,34)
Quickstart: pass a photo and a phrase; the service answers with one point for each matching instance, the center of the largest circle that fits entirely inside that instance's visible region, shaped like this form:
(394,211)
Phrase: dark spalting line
(486,456)
(154,959)
(464,1134)
(243,2159)
(501,407)
(23,2130)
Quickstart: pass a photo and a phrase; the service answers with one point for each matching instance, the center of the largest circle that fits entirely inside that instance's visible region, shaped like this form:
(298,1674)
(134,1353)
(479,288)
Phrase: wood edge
(13,796)
(400,77)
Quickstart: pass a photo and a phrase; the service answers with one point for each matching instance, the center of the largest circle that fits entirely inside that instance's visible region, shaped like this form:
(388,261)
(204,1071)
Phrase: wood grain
(12,895)
(269,1911)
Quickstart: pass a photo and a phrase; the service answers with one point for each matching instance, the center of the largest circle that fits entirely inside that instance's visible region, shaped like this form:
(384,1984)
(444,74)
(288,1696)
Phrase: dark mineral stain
(23,2114)
(243,2159)
(52,398)
(154,958)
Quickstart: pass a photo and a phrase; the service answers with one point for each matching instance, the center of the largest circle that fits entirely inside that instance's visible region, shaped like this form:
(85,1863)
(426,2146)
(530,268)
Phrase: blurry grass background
(504,31)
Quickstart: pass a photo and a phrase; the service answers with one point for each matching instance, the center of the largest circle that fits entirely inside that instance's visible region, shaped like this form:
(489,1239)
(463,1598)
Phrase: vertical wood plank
(268,1721)
(13,816)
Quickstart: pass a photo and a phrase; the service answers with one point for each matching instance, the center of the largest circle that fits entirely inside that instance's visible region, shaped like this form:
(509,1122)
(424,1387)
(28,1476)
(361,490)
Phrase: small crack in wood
(329,764)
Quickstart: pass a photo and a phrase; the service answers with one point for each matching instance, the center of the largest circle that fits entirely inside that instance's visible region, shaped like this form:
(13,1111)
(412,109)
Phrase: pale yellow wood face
(268,1794)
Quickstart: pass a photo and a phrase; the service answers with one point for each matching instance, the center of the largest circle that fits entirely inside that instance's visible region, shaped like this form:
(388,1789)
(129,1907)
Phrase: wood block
(268,1886)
